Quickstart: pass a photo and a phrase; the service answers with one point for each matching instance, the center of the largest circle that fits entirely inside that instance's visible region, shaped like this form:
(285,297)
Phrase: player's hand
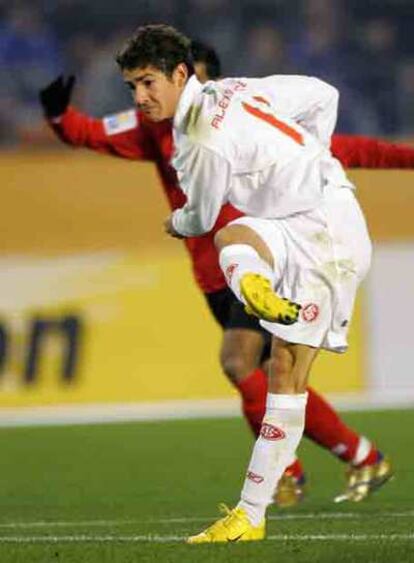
(169,228)
(55,97)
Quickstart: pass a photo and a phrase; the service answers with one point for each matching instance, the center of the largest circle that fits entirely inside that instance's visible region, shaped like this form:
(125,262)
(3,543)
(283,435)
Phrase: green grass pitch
(130,492)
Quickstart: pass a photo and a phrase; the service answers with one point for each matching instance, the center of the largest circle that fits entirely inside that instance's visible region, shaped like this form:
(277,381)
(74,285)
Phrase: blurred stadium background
(85,265)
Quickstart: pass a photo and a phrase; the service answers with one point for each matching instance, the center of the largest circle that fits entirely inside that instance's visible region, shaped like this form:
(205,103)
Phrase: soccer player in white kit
(299,255)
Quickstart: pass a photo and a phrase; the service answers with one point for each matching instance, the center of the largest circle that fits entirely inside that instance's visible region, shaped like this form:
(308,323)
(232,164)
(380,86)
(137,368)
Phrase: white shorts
(320,258)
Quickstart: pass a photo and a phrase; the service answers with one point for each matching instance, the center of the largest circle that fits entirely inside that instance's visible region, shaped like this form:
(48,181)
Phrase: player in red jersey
(245,346)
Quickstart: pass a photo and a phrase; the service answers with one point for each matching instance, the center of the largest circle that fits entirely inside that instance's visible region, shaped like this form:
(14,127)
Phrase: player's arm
(309,101)
(119,135)
(365,152)
(204,177)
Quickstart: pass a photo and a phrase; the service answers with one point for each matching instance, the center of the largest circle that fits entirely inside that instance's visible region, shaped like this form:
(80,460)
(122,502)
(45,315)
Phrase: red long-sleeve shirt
(130,136)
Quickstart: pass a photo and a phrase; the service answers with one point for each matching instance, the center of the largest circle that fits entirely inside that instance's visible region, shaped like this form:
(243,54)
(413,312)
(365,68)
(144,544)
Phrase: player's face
(155,93)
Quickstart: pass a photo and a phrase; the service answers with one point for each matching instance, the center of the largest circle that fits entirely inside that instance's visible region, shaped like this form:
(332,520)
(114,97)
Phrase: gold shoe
(233,527)
(263,302)
(290,491)
(363,481)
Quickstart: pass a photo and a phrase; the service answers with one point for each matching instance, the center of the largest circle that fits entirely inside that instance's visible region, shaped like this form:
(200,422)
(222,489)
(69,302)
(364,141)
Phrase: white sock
(239,259)
(363,449)
(282,429)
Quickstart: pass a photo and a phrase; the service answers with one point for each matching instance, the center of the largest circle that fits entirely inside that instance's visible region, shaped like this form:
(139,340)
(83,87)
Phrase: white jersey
(260,144)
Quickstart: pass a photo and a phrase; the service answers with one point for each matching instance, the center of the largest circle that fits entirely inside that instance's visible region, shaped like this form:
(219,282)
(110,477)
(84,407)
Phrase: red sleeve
(365,152)
(80,130)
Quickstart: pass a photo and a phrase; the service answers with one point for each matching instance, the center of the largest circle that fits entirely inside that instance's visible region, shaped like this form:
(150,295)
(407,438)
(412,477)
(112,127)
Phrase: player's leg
(292,256)
(243,332)
(240,360)
(368,469)
(282,427)
(283,424)
(240,353)
(281,432)
(244,344)
(251,271)
(325,427)
(255,255)
(244,355)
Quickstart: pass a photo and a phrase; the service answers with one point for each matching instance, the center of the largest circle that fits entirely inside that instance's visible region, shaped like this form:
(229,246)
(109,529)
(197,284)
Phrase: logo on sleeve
(310,312)
(272,433)
(120,122)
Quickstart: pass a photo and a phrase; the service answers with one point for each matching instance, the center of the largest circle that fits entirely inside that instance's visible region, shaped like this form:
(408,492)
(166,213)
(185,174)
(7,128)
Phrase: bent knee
(236,366)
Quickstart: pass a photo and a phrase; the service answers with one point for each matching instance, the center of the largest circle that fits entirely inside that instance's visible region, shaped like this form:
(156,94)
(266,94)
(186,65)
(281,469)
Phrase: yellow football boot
(233,527)
(263,302)
(290,491)
(361,482)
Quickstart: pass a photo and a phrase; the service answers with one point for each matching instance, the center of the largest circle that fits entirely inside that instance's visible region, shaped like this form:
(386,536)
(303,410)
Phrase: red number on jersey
(272,120)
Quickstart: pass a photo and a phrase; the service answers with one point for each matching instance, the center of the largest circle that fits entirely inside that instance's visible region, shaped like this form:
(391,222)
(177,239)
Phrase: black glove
(56,96)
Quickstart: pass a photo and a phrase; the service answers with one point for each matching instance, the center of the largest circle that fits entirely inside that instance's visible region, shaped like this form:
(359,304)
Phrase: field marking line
(179,409)
(171,538)
(189,519)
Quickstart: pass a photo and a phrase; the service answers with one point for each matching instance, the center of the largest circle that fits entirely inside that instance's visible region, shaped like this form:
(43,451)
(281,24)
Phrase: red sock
(296,469)
(324,426)
(373,456)
(253,390)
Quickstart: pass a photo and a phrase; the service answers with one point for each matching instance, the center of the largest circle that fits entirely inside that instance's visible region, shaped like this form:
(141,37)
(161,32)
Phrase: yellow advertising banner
(98,305)
(106,327)
(113,328)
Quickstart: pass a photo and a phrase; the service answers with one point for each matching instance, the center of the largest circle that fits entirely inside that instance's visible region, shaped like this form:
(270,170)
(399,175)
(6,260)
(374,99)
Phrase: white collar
(191,89)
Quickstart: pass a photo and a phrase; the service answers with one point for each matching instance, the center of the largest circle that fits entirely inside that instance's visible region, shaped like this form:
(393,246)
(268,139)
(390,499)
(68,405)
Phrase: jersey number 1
(272,120)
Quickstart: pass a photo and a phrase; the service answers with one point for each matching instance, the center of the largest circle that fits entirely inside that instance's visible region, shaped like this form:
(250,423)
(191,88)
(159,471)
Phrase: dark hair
(157,45)
(203,53)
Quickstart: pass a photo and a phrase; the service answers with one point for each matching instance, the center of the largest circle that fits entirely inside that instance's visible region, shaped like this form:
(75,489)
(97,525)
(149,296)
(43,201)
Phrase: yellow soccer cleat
(290,491)
(361,482)
(233,527)
(263,302)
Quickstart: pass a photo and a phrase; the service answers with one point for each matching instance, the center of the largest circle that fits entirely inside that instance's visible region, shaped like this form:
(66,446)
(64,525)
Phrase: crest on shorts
(310,312)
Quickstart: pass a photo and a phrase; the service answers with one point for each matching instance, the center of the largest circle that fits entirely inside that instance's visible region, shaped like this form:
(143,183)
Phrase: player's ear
(180,75)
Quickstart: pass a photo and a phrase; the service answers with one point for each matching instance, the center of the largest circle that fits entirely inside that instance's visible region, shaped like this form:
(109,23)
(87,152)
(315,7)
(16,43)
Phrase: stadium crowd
(365,49)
